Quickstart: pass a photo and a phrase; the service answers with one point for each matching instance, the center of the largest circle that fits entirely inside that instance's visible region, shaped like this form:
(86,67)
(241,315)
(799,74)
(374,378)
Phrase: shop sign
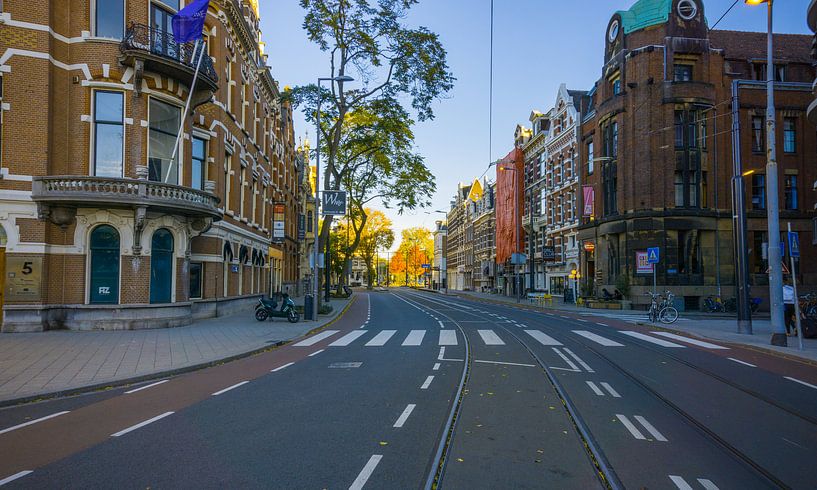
(549,253)
(23,278)
(334,203)
(589,246)
(278,224)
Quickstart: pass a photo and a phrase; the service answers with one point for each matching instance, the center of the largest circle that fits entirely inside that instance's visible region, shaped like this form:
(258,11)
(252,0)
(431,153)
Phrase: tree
(416,248)
(376,235)
(394,62)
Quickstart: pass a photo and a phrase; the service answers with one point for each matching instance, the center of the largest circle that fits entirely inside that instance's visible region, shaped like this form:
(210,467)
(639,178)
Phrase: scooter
(267,308)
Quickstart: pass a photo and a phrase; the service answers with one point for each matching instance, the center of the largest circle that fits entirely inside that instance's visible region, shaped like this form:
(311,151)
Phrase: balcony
(58,197)
(155,50)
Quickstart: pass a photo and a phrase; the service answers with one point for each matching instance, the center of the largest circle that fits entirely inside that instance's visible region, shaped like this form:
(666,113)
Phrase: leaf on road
(384,443)
(460,460)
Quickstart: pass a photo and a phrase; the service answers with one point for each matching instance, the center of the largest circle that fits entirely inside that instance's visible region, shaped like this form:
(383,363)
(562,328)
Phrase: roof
(645,13)
(748,45)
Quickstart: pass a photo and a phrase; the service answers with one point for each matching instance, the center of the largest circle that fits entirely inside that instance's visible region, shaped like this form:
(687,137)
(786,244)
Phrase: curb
(119,383)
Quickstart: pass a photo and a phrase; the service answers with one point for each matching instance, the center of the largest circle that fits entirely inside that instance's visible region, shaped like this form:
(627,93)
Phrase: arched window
(3,237)
(161,267)
(104,270)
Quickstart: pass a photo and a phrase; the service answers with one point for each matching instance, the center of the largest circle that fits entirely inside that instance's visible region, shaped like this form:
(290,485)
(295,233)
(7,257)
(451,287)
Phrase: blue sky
(538,44)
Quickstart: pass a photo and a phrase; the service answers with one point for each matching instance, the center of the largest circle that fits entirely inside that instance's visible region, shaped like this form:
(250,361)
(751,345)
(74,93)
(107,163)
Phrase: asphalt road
(409,390)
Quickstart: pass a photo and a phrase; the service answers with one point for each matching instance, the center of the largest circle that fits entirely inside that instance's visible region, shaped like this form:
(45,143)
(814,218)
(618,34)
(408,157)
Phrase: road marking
(542,337)
(427,382)
(441,324)
(32,422)
(567,317)
(602,324)
(565,359)
(366,472)
(144,387)
(598,338)
(741,362)
(316,338)
(225,390)
(348,338)
(610,389)
(707,484)
(680,483)
(436,366)
(448,337)
(442,353)
(315,353)
(506,363)
(699,343)
(404,416)
(579,360)
(580,320)
(141,424)
(381,338)
(490,337)
(282,367)
(595,388)
(652,430)
(801,382)
(15,476)
(630,427)
(647,338)
(415,337)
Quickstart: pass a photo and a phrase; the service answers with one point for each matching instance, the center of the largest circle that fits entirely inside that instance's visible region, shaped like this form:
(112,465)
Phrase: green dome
(645,13)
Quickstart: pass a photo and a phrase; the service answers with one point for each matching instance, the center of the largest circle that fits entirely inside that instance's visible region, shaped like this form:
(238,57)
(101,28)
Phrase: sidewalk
(700,324)
(57,362)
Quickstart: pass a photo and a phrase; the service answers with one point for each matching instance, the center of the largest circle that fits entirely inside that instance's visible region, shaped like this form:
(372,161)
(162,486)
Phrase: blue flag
(189,22)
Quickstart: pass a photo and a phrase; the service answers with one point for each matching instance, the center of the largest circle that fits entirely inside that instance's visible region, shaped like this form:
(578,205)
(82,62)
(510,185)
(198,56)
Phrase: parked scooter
(268,308)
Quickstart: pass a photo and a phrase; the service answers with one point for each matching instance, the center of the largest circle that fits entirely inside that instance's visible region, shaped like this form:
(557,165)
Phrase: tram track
(596,452)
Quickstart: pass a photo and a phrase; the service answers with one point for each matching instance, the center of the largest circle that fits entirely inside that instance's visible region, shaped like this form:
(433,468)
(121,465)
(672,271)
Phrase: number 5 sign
(23,278)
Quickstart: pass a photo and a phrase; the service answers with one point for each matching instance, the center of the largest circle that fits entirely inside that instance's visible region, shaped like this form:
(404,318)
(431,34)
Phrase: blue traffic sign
(794,244)
(653,255)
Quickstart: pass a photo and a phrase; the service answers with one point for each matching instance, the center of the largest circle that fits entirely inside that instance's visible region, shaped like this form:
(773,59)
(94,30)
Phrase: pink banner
(589,200)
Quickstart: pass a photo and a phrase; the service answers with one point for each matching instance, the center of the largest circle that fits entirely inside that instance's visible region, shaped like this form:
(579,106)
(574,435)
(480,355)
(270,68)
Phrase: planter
(626,305)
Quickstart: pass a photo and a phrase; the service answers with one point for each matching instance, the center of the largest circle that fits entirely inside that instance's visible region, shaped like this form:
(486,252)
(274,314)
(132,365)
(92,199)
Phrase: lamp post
(773,218)
(315,270)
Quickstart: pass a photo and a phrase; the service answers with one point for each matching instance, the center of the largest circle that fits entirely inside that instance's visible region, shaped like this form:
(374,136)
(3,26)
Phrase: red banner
(589,200)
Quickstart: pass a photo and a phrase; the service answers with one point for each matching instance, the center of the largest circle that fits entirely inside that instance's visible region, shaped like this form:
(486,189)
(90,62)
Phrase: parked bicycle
(714,304)
(661,308)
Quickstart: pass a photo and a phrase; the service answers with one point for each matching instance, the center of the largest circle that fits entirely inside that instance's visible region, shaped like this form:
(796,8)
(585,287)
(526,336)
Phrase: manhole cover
(345,365)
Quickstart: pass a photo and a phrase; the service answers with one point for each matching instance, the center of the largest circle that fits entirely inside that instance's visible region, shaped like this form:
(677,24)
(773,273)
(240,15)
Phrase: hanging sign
(334,203)
(278,224)
(589,198)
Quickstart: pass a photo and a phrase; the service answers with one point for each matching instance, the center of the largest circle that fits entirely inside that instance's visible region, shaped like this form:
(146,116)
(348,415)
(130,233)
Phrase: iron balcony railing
(160,43)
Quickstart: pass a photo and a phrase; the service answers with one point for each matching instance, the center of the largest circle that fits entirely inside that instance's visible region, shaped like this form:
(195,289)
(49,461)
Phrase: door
(104,268)
(161,267)
(162,29)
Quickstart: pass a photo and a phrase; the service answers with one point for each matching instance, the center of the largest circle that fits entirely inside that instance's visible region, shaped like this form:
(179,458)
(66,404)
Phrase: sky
(538,45)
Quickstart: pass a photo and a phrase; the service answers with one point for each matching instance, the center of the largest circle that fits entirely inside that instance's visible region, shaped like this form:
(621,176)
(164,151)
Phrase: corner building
(658,153)
(100,228)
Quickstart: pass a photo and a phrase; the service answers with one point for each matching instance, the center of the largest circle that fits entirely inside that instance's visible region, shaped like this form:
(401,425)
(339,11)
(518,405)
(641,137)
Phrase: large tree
(393,62)
(377,235)
(416,248)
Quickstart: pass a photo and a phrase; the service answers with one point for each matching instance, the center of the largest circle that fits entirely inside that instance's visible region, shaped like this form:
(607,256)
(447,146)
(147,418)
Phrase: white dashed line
(741,362)
(225,390)
(315,353)
(144,387)
(610,389)
(427,382)
(436,366)
(699,343)
(630,427)
(405,415)
(141,424)
(32,422)
(652,430)
(15,476)
(366,472)
(280,368)
(506,363)
(801,382)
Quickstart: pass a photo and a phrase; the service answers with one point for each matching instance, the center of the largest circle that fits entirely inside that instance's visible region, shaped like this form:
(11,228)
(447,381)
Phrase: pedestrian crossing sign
(794,244)
(653,255)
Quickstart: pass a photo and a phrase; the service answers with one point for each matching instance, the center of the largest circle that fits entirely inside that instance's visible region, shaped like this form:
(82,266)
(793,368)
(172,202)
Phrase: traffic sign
(426,266)
(653,255)
(794,244)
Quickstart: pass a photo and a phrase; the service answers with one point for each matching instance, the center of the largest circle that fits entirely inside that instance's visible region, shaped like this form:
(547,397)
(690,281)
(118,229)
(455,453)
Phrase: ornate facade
(102,227)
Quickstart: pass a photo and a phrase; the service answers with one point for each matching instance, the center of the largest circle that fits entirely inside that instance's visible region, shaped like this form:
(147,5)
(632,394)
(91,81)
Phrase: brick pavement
(37,364)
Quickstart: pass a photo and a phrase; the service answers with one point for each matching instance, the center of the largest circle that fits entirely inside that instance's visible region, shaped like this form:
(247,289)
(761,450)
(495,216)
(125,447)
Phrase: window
(109,18)
(1,110)
(162,38)
(195,280)
(679,129)
(758,191)
(689,252)
(109,134)
(791,192)
(229,85)
(241,192)
(682,73)
(617,86)
(758,134)
(610,168)
(687,178)
(590,158)
(759,250)
(309,220)
(228,169)
(164,120)
(679,189)
(759,72)
(198,166)
(789,135)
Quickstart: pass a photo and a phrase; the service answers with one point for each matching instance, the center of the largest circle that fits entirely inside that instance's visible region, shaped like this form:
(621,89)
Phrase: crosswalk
(496,338)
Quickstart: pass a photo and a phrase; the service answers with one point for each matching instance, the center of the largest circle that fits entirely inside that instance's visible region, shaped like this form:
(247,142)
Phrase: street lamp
(315,272)
(773,218)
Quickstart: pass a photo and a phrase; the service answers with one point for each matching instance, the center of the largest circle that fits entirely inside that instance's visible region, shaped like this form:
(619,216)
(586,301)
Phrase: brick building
(100,226)
(659,153)
(484,239)
(458,250)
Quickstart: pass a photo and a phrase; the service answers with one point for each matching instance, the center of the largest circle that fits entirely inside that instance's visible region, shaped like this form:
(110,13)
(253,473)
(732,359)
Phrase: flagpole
(186,108)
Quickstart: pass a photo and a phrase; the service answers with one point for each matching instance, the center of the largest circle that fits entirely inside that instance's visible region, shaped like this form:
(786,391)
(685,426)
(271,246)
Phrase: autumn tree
(376,235)
(366,131)
(416,248)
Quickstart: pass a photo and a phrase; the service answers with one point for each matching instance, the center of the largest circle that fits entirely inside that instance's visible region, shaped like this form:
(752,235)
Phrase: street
(411,390)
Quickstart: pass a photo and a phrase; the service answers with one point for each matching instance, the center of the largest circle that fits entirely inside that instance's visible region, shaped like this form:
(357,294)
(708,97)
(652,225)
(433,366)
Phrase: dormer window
(615,83)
